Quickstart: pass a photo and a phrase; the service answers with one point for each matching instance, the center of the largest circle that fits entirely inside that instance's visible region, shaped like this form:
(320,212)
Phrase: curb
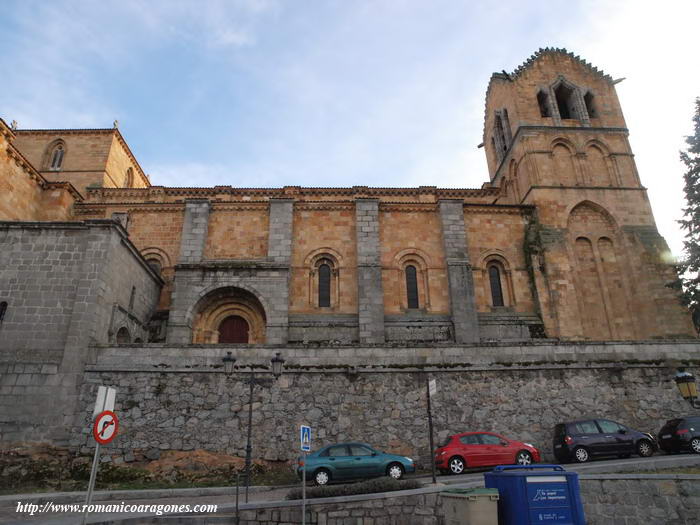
(111,495)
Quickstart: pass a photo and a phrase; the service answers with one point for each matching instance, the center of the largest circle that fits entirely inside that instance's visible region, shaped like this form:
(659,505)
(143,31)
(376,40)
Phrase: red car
(482,449)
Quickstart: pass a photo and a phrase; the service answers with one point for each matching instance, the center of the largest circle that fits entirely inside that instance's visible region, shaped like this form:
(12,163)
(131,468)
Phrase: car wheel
(695,445)
(395,471)
(644,448)
(523,458)
(581,455)
(456,465)
(322,477)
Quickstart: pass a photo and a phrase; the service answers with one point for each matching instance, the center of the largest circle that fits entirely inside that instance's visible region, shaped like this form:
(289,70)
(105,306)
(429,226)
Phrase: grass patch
(122,477)
(364,487)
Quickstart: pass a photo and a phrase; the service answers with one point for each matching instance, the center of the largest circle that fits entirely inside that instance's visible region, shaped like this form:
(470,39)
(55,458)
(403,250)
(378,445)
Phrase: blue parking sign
(305,438)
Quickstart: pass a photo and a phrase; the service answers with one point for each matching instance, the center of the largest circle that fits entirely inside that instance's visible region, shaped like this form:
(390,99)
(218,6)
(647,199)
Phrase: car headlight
(408,459)
(529,445)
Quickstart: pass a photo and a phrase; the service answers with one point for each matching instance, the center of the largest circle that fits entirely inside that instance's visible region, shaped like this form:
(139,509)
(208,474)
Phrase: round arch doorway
(233,329)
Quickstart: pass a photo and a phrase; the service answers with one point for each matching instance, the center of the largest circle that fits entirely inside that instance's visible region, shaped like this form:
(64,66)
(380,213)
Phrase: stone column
(459,271)
(279,244)
(279,250)
(194,238)
(370,296)
(194,230)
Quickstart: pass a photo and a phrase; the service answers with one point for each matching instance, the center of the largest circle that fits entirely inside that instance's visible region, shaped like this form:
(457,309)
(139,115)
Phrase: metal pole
(91,484)
(430,429)
(238,482)
(248,448)
(303,490)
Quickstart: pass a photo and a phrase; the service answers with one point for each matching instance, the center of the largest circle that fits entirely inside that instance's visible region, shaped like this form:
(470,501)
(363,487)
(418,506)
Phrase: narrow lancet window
(565,102)
(57,158)
(588,99)
(324,285)
(411,286)
(543,103)
(496,290)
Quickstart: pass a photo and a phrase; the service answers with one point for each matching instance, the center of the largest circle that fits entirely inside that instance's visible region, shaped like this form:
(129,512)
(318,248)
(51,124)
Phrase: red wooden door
(233,329)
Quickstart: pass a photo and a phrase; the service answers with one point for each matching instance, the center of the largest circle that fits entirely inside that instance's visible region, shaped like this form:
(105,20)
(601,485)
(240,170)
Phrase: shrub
(364,487)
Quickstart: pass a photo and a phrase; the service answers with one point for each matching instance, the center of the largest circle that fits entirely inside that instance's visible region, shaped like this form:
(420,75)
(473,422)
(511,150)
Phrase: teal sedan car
(344,461)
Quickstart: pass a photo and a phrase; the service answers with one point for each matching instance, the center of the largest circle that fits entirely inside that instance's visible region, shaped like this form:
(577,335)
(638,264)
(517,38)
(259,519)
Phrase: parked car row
(578,441)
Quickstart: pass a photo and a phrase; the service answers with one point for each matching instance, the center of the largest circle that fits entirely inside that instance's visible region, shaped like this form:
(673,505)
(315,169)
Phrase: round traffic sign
(105,428)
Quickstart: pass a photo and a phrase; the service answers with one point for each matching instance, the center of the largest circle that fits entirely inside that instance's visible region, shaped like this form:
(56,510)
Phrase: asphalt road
(9,515)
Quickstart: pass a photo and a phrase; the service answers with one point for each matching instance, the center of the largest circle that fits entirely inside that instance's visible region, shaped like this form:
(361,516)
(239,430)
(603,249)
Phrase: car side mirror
(504,443)
(374,453)
(623,431)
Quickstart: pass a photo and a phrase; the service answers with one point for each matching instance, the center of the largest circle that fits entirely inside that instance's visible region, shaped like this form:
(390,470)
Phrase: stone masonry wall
(656,499)
(62,282)
(180,399)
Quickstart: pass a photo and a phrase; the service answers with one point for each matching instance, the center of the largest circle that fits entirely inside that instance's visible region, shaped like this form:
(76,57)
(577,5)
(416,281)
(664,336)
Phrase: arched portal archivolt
(222,303)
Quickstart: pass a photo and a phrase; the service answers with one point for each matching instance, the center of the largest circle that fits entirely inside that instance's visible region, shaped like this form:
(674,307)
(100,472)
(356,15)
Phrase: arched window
(3,310)
(233,329)
(56,157)
(543,103)
(501,134)
(123,336)
(565,102)
(411,286)
(496,289)
(155,265)
(129,178)
(588,99)
(324,285)
(324,278)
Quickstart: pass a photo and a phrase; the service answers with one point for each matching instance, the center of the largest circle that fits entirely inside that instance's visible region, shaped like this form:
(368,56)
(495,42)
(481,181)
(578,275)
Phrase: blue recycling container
(534,494)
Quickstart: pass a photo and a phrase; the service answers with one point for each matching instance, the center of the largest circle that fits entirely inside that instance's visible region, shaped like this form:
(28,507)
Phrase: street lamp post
(685,381)
(277,364)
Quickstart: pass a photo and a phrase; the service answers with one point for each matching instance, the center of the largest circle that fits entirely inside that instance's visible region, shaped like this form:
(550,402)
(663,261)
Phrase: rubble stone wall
(180,399)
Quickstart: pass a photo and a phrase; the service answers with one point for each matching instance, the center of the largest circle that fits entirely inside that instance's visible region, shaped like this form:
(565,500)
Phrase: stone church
(558,245)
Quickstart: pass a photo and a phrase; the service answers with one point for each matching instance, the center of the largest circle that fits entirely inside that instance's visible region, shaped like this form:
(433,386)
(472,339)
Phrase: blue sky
(335,93)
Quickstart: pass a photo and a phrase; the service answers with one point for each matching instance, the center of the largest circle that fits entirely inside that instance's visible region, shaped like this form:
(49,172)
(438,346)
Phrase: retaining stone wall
(634,499)
(174,403)
(607,499)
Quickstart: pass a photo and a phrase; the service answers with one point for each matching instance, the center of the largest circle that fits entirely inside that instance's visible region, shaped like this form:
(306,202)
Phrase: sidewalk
(9,515)
(224,497)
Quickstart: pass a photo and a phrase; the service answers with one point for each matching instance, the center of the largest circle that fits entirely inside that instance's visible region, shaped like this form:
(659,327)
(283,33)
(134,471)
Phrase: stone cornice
(298,194)
(555,129)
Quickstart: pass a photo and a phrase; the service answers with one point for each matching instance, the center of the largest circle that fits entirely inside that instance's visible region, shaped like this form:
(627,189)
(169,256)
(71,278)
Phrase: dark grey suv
(582,440)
